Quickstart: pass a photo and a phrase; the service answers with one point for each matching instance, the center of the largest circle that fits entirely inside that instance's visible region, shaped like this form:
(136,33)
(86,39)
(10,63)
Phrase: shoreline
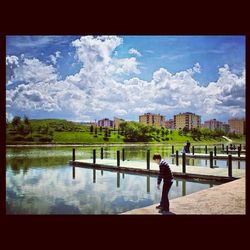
(81,145)
(112,144)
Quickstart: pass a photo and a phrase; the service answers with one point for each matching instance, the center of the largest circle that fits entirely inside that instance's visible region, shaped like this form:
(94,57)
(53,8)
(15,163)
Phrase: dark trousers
(164,197)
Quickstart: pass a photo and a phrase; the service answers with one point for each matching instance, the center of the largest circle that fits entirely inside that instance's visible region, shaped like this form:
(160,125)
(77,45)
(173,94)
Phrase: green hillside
(57,131)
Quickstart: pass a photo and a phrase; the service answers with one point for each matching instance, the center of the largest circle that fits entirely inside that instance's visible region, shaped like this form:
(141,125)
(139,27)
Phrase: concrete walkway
(229,198)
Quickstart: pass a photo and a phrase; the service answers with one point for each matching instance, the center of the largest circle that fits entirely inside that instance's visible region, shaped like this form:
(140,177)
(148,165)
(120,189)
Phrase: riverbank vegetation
(56,131)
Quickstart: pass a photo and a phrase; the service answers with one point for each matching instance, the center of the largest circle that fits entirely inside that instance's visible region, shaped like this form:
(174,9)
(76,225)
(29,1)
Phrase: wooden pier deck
(232,151)
(139,167)
(217,157)
(228,199)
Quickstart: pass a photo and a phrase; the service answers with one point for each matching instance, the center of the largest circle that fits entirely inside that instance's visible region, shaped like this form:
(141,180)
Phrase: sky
(87,78)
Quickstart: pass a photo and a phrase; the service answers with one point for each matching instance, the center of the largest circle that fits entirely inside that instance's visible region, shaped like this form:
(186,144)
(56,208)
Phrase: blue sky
(44,70)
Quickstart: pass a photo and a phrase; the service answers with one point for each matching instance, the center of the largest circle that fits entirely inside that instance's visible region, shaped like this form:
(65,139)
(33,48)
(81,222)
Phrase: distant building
(213,124)
(226,127)
(105,123)
(237,125)
(152,119)
(169,124)
(117,122)
(188,120)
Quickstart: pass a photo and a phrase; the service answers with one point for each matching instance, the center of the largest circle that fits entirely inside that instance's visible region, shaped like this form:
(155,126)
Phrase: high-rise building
(226,127)
(152,119)
(188,120)
(237,125)
(105,123)
(117,122)
(169,124)
(213,124)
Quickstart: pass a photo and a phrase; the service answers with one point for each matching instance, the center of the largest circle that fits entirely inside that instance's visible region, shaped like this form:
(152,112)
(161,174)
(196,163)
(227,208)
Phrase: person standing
(165,173)
(186,148)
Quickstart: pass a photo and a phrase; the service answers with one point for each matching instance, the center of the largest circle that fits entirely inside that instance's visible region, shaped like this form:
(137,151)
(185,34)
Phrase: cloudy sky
(86,78)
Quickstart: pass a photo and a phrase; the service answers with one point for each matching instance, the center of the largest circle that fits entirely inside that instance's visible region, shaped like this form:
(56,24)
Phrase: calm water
(40,181)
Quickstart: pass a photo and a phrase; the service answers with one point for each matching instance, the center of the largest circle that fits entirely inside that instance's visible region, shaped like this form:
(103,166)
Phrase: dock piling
(215,151)
(239,148)
(183,163)
(229,165)
(73,154)
(206,149)
(211,159)
(148,159)
(193,150)
(227,149)
(172,149)
(101,153)
(222,146)
(177,157)
(118,158)
(94,156)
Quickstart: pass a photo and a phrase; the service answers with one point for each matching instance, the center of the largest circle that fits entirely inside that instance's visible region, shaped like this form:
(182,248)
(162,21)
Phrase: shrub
(18,138)
(29,138)
(45,139)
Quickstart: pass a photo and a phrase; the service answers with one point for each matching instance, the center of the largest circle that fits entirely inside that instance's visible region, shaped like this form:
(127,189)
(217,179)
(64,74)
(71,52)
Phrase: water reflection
(42,182)
(183,187)
(118,180)
(94,176)
(73,172)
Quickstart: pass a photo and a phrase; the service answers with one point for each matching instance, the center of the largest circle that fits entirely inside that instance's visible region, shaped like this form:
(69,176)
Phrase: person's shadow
(168,213)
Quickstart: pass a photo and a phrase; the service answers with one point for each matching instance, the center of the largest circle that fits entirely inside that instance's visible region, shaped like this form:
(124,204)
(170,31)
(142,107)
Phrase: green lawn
(84,137)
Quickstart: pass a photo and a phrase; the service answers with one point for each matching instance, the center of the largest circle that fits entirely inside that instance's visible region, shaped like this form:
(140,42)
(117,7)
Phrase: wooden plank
(197,177)
(217,157)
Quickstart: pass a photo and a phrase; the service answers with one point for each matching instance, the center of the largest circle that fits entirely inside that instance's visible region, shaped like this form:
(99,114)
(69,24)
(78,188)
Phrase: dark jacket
(165,172)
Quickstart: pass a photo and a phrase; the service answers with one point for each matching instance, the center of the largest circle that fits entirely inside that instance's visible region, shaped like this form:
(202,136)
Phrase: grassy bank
(54,131)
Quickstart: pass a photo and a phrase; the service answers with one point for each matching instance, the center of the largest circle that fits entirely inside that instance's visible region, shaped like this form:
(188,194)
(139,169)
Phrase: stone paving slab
(228,199)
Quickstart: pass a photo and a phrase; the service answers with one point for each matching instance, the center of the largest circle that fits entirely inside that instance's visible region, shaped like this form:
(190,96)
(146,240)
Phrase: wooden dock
(233,151)
(140,167)
(215,157)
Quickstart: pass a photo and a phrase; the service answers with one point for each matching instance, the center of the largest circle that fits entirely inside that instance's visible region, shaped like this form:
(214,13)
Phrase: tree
(205,132)
(162,132)
(185,130)
(135,132)
(91,128)
(106,134)
(122,127)
(180,131)
(16,121)
(26,120)
(166,132)
(20,129)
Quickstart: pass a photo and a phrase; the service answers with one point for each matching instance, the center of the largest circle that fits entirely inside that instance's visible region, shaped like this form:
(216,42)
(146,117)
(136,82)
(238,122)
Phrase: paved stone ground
(228,199)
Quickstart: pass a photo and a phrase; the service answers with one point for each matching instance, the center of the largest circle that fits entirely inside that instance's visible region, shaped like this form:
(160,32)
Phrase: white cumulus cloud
(135,52)
(100,88)
(54,58)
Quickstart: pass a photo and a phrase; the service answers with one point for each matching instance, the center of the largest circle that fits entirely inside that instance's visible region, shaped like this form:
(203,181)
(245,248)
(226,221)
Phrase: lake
(39,180)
